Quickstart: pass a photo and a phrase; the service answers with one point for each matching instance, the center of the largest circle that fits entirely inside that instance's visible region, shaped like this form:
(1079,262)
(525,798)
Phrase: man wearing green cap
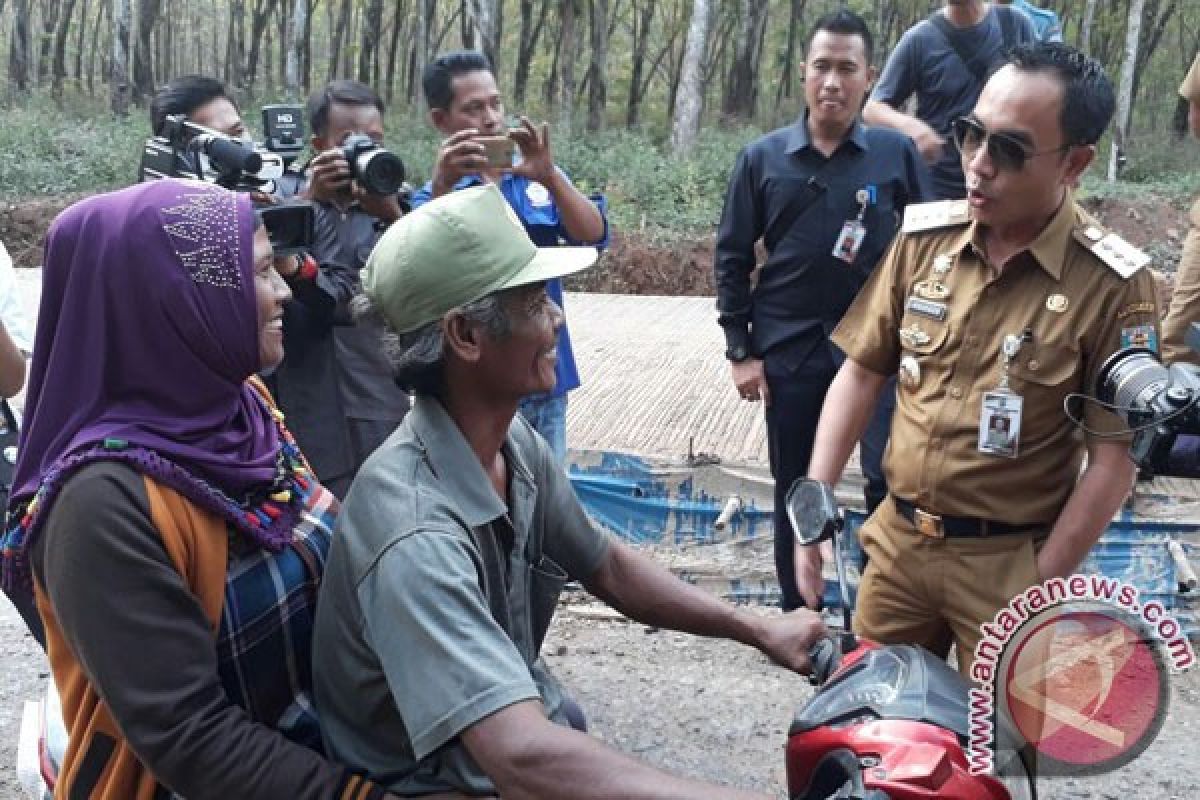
(460,531)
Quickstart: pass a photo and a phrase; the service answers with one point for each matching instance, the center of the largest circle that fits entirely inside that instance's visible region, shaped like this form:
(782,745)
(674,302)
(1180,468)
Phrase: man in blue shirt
(464,105)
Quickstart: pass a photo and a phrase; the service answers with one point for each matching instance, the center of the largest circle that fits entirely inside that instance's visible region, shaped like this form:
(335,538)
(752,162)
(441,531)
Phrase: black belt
(939,527)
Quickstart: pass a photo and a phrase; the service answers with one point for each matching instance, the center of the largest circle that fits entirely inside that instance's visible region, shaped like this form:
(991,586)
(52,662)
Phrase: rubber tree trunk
(741,99)
(1133,32)
(481,21)
(1085,28)
(118,76)
(59,71)
(530,32)
(368,53)
(688,101)
(143,70)
(20,49)
(566,67)
(297,35)
(641,38)
(598,69)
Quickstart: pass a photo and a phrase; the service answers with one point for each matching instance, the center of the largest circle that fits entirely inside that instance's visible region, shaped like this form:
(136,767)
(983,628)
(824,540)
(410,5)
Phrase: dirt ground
(708,709)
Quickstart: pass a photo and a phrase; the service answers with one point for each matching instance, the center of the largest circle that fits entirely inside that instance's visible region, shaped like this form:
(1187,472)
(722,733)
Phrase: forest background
(648,100)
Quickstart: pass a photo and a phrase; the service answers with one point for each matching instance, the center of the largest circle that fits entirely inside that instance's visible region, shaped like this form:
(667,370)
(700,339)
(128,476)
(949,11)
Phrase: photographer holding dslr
(334,384)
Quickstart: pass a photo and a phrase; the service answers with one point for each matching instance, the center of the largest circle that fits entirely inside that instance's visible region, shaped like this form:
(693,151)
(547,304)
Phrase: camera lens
(1130,379)
(379,171)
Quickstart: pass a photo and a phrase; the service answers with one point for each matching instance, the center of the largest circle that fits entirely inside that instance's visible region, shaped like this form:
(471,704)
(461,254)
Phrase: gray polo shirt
(437,597)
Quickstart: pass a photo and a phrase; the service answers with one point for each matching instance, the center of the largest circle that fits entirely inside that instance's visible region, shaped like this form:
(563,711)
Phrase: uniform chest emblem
(1057,303)
(538,195)
(913,336)
(1140,336)
(909,374)
(931,290)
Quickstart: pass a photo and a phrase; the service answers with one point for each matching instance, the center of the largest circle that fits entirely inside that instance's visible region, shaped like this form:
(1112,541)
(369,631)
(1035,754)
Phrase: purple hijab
(147,332)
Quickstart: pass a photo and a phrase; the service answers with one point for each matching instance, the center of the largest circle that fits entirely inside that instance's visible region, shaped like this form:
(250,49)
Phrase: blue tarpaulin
(632,499)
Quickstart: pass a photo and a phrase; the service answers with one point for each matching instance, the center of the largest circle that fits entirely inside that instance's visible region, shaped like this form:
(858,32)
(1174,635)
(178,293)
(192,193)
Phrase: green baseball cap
(454,250)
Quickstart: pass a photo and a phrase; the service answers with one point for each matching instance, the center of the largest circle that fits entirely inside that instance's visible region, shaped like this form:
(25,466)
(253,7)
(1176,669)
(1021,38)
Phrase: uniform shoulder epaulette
(932,216)
(1116,253)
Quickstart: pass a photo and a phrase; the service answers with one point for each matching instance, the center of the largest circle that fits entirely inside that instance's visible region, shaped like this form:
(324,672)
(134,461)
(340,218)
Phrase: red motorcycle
(888,722)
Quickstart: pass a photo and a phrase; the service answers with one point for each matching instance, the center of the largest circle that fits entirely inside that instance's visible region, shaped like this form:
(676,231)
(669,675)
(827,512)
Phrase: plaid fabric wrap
(270,605)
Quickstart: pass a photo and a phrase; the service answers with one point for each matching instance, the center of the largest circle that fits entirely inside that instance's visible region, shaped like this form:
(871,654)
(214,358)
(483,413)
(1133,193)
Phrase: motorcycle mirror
(812,510)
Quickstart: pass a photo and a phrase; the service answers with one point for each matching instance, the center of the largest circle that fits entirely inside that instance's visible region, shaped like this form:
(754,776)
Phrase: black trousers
(799,373)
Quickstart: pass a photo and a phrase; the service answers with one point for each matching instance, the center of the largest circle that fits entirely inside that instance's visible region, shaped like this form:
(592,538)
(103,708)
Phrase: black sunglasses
(1004,151)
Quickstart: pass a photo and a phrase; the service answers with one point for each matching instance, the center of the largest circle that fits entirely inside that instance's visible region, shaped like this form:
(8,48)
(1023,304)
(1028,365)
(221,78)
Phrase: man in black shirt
(334,384)
(825,195)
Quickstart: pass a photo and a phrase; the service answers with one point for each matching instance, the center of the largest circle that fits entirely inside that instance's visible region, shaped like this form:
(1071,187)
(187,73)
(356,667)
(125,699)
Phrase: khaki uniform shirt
(1185,300)
(1073,309)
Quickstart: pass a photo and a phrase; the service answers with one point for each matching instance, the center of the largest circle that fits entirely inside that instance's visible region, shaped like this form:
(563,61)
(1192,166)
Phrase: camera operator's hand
(460,155)
(537,160)
(384,207)
(329,176)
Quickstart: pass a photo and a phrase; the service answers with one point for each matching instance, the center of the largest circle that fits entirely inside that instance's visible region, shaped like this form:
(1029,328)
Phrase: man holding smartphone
(466,106)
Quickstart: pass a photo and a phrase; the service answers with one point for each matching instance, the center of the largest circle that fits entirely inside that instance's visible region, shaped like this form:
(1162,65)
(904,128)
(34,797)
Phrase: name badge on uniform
(853,230)
(927,308)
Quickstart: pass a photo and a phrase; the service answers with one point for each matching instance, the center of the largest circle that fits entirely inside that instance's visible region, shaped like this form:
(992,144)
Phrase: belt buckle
(928,524)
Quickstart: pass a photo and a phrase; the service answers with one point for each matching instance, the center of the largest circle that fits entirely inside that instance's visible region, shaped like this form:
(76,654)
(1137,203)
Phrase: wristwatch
(737,353)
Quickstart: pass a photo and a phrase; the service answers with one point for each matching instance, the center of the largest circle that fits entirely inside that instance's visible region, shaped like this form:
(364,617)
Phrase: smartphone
(499,151)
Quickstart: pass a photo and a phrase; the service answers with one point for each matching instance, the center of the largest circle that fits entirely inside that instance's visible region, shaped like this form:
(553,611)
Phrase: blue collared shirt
(536,209)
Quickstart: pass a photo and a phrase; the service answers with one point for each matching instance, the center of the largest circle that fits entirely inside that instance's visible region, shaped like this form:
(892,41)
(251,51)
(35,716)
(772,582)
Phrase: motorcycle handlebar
(824,656)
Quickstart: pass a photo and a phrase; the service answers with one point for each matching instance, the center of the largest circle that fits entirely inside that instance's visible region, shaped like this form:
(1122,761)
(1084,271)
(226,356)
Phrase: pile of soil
(639,264)
(23,226)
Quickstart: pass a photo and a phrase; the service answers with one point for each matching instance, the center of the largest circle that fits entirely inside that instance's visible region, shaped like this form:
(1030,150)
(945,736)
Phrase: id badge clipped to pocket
(849,240)
(1000,423)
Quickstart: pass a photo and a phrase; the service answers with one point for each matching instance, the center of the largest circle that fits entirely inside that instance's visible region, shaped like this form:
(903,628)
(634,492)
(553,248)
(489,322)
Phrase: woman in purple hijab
(162,516)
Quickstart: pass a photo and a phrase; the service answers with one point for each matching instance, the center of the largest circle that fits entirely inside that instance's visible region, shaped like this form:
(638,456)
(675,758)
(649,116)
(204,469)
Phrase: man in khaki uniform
(999,305)
(1185,301)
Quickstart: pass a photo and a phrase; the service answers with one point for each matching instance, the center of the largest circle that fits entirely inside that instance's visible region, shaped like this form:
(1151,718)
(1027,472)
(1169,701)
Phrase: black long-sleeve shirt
(803,285)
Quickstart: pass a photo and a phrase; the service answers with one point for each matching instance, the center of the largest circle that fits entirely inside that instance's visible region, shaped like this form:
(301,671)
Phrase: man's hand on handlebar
(788,638)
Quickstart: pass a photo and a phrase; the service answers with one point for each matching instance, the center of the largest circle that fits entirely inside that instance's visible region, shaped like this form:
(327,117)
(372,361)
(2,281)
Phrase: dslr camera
(186,150)
(1158,402)
(377,170)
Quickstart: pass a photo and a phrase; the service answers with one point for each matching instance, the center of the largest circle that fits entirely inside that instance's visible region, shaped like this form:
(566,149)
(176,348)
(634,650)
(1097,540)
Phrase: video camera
(183,149)
(1159,402)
